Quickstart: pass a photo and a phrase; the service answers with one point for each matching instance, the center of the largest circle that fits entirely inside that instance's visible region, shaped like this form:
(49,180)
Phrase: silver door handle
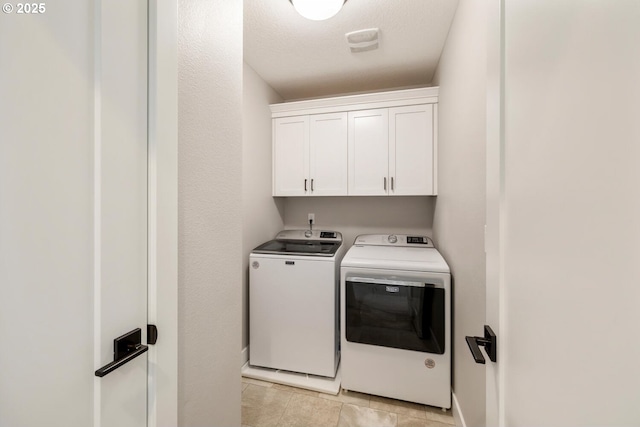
(311,184)
(391,183)
(385,183)
(305,185)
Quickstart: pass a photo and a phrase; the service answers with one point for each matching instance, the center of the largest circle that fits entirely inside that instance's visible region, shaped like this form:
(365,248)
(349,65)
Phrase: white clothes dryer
(396,319)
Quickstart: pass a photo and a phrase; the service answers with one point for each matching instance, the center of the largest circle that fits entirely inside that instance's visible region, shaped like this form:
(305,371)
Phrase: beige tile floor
(266,404)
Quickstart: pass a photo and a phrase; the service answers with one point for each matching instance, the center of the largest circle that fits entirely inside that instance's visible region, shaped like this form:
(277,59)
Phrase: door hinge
(152,334)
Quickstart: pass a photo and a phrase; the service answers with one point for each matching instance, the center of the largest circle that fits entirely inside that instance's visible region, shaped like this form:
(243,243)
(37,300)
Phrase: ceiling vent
(362,40)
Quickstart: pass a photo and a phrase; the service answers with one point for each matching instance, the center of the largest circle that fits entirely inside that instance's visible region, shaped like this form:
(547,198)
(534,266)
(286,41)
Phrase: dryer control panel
(405,240)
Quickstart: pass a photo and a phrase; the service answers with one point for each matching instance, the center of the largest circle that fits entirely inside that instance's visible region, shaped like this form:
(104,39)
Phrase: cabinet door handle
(311,184)
(305,184)
(391,183)
(385,183)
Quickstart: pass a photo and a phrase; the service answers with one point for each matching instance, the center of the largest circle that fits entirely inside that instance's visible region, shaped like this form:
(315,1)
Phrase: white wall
(362,215)
(262,214)
(459,218)
(210,211)
(572,205)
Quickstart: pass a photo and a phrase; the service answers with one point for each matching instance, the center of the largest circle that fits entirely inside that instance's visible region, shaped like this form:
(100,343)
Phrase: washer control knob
(392,238)
(308,233)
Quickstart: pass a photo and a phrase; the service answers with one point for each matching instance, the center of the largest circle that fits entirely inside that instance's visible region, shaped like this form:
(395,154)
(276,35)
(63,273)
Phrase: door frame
(496,313)
(162,394)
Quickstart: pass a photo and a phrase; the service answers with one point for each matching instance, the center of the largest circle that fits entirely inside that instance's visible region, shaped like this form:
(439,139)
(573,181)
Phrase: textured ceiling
(301,59)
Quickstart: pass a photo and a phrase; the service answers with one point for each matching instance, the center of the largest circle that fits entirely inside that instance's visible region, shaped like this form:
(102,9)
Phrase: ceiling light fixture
(318,10)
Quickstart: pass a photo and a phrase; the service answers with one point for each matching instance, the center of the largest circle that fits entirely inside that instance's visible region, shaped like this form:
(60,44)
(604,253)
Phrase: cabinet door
(291,156)
(328,154)
(369,152)
(411,154)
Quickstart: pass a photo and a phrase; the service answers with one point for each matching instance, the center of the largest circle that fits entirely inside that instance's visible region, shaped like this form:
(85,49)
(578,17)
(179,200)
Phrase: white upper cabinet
(291,156)
(411,154)
(360,145)
(391,151)
(369,152)
(328,154)
(310,155)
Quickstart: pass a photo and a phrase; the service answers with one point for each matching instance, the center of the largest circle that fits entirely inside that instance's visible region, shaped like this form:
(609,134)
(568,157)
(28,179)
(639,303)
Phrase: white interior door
(494,211)
(73,214)
(563,218)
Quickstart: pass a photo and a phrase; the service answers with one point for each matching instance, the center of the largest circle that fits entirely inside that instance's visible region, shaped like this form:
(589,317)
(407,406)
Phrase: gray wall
(459,219)
(210,211)
(262,214)
(362,215)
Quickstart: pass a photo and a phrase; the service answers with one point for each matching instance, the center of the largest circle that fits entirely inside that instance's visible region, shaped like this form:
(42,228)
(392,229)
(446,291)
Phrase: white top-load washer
(396,319)
(293,302)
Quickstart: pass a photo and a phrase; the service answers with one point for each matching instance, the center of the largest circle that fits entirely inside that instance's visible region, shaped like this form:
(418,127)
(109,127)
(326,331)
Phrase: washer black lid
(298,247)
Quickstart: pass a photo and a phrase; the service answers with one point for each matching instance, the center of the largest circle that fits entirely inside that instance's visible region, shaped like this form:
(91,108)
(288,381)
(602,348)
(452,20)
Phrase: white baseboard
(244,356)
(457,412)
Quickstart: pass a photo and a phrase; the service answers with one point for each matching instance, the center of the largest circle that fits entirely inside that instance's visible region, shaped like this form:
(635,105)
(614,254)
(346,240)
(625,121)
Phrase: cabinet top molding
(366,101)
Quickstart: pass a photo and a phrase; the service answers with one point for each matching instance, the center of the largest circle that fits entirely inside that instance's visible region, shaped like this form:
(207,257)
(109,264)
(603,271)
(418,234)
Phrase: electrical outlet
(311,217)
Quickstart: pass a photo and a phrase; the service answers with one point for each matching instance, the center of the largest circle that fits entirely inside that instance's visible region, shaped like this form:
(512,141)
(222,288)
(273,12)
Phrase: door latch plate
(127,343)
